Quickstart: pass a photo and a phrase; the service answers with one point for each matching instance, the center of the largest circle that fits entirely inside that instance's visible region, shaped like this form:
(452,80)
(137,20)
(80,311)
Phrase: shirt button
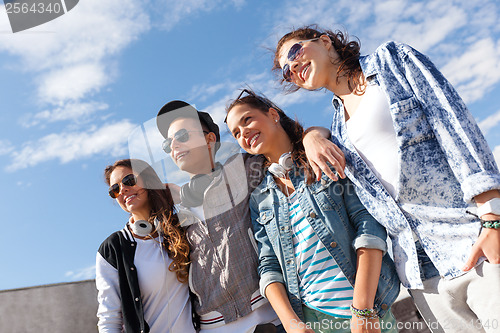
(137,299)
(313,215)
(132,268)
(333,244)
(384,306)
(132,244)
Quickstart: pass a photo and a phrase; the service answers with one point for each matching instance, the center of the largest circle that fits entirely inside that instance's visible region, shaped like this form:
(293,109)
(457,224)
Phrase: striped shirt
(323,286)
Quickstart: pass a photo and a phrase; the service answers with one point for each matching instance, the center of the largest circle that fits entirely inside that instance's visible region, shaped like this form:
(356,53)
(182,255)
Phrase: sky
(74,91)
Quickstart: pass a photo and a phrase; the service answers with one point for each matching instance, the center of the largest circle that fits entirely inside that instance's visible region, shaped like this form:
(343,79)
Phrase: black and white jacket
(119,250)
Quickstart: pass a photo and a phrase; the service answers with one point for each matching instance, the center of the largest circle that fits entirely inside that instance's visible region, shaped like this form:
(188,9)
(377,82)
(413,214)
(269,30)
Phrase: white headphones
(284,165)
(142,228)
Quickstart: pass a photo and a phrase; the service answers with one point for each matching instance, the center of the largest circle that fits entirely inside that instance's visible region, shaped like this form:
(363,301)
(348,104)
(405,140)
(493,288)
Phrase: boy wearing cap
(214,206)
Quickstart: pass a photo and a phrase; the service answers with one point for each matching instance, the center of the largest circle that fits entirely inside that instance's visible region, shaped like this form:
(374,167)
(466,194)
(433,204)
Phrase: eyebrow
(240,121)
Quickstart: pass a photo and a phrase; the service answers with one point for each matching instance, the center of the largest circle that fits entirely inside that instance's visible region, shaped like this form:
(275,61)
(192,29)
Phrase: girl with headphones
(142,270)
(322,257)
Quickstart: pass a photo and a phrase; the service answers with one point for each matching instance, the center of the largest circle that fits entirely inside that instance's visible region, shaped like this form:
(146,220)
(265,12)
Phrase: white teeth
(254,138)
(130,197)
(303,74)
(181,154)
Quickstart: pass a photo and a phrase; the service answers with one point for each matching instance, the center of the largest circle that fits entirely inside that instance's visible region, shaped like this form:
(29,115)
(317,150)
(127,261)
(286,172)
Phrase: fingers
(323,166)
(337,160)
(340,158)
(316,169)
(473,258)
(324,160)
(331,156)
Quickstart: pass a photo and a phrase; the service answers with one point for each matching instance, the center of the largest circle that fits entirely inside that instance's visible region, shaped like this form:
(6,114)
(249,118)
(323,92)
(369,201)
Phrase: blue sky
(74,89)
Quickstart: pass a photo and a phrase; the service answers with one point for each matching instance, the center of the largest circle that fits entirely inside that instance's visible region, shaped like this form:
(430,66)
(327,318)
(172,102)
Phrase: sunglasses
(294,53)
(128,180)
(181,135)
(245,93)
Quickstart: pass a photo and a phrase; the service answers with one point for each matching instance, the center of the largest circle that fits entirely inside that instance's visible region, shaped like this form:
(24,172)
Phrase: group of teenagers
(312,230)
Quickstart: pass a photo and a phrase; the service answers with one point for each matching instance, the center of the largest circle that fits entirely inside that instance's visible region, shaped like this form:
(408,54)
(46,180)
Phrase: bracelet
(495,224)
(365,313)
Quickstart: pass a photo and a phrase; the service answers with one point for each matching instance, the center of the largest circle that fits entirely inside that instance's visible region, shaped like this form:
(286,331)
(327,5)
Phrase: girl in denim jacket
(418,160)
(322,256)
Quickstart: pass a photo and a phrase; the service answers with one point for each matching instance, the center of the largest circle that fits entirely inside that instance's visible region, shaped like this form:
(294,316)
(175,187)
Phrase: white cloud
(476,70)
(69,146)
(423,31)
(78,112)
(490,122)
(72,56)
(85,78)
(86,273)
(23,184)
(5,147)
(93,30)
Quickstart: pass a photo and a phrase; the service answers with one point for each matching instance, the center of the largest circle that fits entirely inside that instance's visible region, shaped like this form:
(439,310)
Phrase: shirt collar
(368,65)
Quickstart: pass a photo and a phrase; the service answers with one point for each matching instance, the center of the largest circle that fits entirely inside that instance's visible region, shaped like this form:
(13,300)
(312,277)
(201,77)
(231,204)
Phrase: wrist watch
(489,207)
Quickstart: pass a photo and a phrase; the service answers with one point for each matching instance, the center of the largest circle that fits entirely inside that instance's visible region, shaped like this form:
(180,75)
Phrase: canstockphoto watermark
(328,325)
(26,14)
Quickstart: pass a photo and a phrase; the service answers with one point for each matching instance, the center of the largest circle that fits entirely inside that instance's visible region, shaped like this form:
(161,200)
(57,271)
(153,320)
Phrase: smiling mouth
(130,198)
(181,155)
(303,72)
(253,139)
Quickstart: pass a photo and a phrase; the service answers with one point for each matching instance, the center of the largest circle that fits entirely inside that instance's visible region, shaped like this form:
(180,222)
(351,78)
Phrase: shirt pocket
(327,193)
(410,123)
(266,218)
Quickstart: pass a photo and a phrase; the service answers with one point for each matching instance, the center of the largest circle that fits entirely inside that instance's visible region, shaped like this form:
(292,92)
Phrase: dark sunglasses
(246,92)
(293,54)
(181,135)
(128,180)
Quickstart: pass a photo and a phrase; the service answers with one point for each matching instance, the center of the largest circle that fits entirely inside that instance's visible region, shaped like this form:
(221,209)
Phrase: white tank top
(371,131)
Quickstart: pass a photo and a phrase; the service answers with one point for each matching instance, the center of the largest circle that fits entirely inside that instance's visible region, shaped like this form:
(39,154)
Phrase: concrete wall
(57,308)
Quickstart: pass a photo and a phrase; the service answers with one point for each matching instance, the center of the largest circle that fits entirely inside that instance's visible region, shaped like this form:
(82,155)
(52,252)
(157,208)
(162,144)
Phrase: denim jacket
(339,219)
(444,161)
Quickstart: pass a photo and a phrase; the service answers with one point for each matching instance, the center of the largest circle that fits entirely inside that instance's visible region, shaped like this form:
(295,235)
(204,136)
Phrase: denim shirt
(444,162)
(339,219)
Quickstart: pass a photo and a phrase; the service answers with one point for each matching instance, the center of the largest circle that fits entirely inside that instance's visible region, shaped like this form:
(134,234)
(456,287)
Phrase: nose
(294,67)
(173,145)
(245,132)
(123,189)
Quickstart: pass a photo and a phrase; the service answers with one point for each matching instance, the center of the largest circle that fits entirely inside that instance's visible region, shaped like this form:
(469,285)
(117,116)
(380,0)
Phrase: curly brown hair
(347,50)
(162,209)
(293,128)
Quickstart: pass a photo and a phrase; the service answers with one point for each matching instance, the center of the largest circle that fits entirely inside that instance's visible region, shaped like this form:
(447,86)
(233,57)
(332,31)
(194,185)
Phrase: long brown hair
(162,209)
(293,128)
(347,50)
